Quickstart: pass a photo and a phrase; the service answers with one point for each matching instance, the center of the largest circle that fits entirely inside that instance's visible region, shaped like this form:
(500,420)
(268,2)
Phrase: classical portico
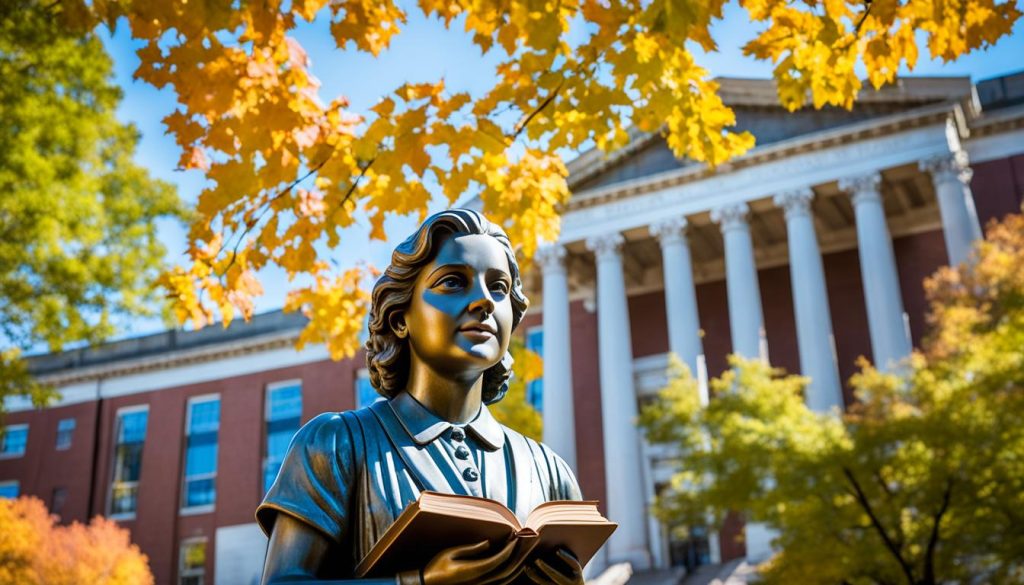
(812,237)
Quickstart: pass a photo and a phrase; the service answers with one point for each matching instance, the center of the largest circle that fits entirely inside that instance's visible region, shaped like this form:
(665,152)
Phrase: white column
(890,340)
(680,292)
(559,421)
(746,321)
(960,226)
(623,466)
(681,313)
(746,324)
(810,303)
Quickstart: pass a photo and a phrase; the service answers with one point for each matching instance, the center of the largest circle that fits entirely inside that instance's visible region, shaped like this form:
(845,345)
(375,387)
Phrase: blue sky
(426,51)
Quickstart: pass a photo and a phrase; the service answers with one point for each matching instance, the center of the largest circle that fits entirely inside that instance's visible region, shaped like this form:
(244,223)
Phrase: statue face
(459,320)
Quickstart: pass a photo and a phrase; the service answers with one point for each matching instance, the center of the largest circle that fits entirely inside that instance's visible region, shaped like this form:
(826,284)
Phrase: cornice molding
(819,141)
(172,359)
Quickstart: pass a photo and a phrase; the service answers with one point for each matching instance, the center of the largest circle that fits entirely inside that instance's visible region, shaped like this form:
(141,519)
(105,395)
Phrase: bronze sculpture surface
(440,324)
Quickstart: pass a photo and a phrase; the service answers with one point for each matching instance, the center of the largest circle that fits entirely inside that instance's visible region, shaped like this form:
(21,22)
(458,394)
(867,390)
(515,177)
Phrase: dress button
(462,452)
(458,434)
(470,475)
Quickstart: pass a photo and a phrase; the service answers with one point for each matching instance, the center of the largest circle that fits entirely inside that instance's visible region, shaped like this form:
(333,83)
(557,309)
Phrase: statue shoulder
(331,434)
(317,476)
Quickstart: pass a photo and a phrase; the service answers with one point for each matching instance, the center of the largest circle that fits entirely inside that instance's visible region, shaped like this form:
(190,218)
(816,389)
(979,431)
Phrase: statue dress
(350,474)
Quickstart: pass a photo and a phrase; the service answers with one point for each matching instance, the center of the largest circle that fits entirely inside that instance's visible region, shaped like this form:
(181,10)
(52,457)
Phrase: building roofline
(736,91)
(167,346)
(937,113)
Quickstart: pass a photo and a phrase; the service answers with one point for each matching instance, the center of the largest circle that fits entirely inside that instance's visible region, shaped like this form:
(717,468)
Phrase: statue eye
(500,286)
(450,282)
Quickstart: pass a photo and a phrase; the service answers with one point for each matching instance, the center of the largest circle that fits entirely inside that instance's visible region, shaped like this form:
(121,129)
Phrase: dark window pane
(124,488)
(201,453)
(65,433)
(284,403)
(200,492)
(14,440)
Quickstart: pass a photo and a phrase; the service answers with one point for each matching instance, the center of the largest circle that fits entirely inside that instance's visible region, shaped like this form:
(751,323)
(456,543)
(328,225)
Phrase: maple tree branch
(860,24)
(355,183)
(933,539)
(863,17)
(523,123)
(249,225)
(889,544)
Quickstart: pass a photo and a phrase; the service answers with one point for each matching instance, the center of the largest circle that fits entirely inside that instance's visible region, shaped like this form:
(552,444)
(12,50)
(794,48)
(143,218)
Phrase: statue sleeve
(316,479)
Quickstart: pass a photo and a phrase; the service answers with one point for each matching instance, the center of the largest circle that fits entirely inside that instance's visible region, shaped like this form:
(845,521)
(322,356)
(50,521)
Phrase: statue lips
(477,331)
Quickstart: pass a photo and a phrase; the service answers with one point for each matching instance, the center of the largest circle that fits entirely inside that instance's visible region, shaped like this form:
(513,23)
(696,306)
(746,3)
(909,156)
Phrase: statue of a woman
(440,324)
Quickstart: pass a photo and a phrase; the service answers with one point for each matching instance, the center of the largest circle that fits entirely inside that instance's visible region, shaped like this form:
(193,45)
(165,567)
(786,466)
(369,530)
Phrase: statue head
(444,298)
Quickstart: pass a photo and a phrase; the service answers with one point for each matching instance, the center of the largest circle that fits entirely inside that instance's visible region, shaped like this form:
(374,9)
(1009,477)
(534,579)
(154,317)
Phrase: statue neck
(454,399)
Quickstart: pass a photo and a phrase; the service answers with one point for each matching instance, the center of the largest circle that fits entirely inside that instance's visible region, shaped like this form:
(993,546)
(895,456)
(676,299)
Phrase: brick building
(810,251)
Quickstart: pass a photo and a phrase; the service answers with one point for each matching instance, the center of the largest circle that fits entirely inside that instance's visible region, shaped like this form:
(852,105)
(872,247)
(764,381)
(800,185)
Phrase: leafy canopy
(514,410)
(288,170)
(920,482)
(36,551)
(78,243)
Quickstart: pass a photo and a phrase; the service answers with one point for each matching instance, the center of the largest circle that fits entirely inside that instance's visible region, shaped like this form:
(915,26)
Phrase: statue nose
(484,305)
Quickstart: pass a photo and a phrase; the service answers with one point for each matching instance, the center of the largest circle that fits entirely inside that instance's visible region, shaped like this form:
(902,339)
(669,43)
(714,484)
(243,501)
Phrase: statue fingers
(467,550)
(573,563)
(553,575)
(475,569)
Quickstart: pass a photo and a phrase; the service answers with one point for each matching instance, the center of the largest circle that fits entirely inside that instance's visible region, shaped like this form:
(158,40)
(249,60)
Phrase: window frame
(15,483)
(184,509)
(113,461)
(268,390)
(3,441)
(59,495)
(69,433)
(184,573)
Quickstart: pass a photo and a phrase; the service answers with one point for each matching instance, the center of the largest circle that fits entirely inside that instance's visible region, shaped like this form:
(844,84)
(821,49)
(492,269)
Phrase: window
(365,393)
(8,489)
(65,431)
(13,443)
(201,429)
(130,434)
(283,413)
(192,566)
(535,388)
(59,499)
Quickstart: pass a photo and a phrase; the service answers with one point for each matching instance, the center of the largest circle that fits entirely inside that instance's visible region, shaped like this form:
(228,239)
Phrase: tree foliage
(78,244)
(920,482)
(36,551)
(514,411)
(288,170)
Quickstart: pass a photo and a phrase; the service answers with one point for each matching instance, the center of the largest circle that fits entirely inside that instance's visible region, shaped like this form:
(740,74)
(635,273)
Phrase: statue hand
(561,568)
(462,564)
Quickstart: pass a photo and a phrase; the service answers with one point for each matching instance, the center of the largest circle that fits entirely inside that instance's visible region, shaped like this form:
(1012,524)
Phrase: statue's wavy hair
(387,355)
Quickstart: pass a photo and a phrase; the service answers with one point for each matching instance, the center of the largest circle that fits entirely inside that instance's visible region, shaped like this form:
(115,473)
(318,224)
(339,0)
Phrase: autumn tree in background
(78,243)
(920,482)
(515,411)
(289,169)
(35,551)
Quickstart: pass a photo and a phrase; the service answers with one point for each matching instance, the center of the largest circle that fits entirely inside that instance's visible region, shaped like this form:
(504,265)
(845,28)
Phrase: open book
(439,521)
